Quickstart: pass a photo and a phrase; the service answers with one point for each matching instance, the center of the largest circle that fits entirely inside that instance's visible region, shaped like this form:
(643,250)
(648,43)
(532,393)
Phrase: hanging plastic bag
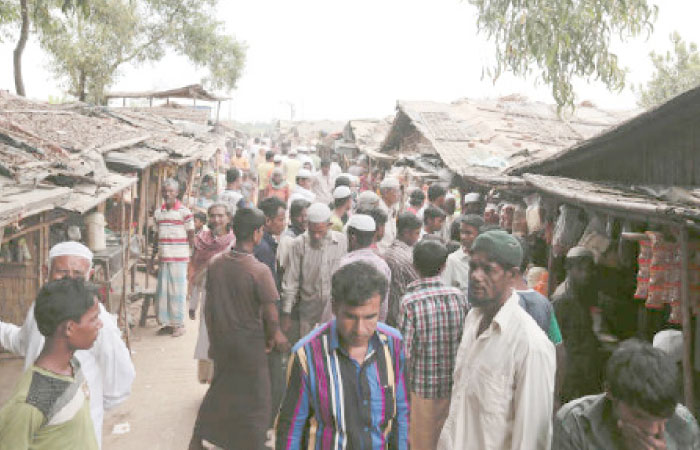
(568,229)
(595,237)
(534,213)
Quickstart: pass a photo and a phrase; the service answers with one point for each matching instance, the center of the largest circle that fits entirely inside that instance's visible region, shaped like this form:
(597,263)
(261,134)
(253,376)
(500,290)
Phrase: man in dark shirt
(572,301)
(639,409)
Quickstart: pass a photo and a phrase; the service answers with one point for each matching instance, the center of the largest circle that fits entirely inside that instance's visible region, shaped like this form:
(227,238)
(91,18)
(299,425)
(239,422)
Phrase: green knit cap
(501,247)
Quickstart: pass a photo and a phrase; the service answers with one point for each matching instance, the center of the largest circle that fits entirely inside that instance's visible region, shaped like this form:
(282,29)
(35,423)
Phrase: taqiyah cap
(362,222)
(389,183)
(342,192)
(318,213)
(304,173)
(70,248)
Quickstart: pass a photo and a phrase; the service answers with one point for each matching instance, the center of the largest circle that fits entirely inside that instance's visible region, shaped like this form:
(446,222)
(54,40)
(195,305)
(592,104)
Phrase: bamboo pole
(42,244)
(125,269)
(687,326)
(147,229)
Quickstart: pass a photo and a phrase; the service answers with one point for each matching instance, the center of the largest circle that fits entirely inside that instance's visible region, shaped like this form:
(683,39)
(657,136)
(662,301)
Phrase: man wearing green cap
(504,370)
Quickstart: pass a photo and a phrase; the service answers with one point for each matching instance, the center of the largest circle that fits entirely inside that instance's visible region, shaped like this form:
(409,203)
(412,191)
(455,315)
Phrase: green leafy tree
(674,72)
(561,40)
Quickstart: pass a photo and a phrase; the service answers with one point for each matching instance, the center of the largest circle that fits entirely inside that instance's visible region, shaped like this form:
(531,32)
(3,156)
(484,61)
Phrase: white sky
(351,59)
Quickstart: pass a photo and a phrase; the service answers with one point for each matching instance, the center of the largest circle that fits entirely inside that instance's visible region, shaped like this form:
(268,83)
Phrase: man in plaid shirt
(431,322)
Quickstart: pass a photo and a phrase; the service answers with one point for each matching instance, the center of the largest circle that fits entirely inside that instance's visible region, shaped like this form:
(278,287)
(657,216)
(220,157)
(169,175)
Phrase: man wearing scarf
(278,186)
(207,245)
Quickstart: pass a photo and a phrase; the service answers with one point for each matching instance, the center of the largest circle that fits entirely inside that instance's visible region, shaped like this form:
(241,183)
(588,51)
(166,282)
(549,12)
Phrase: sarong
(172,293)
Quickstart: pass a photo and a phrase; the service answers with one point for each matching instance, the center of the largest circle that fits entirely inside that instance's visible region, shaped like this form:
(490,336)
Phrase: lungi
(172,293)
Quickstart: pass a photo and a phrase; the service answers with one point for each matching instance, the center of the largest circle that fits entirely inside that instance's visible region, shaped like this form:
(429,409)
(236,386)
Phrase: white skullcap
(302,149)
(342,192)
(296,196)
(389,183)
(277,158)
(471,197)
(293,151)
(304,173)
(362,222)
(670,341)
(70,248)
(367,199)
(318,213)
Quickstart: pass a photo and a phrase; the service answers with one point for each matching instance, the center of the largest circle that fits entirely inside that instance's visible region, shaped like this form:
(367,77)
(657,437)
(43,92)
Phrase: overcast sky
(352,59)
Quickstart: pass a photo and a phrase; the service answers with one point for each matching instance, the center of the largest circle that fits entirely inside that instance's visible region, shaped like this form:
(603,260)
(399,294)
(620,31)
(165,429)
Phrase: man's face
(198,224)
(434,225)
(169,195)
(391,196)
(307,166)
(81,335)
(69,266)
(638,428)
(277,177)
(467,234)
(325,170)
(581,272)
(304,182)
(450,206)
(440,202)
(410,237)
(357,324)
(317,231)
(489,283)
(218,219)
(275,225)
(239,152)
(301,221)
(379,232)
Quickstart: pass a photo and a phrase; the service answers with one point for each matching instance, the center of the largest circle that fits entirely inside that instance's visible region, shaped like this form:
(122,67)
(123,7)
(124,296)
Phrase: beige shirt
(390,228)
(456,273)
(503,385)
(307,277)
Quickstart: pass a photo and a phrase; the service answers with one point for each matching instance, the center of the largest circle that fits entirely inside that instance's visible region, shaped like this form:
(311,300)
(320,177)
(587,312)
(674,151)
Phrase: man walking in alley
(232,195)
(107,365)
(399,258)
(504,370)
(390,192)
(322,183)
(456,271)
(345,383)
(431,323)
(175,240)
(306,287)
(241,317)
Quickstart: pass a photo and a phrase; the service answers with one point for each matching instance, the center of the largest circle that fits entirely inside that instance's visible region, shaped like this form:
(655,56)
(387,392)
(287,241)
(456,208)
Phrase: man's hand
(278,342)
(286,322)
(192,314)
(637,439)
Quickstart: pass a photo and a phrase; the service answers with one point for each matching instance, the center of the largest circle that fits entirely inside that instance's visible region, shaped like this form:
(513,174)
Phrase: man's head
(239,151)
(429,257)
(472,203)
(325,167)
(219,215)
(277,160)
(408,228)
(319,223)
(356,304)
(297,213)
(200,219)
(643,384)
(304,178)
(433,218)
(269,156)
(450,204)
(469,226)
(495,258)
(69,260)
(389,189)
(367,200)
(248,225)
(67,309)
(380,219)
(342,198)
(361,228)
(436,195)
(275,211)
(580,267)
(277,176)
(233,178)
(169,191)
(342,180)
(416,198)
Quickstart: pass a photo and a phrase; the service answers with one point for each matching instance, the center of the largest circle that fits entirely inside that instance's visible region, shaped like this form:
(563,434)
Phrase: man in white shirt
(390,192)
(504,372)
(107,366)
(456,273)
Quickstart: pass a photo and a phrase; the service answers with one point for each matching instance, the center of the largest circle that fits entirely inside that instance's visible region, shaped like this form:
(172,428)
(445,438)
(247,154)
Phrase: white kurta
(107,366)
(503,385)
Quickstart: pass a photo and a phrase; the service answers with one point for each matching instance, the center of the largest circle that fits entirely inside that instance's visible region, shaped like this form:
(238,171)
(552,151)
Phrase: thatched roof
(368,135)
(193,91)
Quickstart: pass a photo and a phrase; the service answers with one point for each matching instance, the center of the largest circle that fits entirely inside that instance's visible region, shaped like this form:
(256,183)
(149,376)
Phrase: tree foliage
(561,40)
(674,72)
(89,41)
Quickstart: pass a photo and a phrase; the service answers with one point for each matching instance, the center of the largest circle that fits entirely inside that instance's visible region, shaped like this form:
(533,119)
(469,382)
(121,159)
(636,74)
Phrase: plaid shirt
(431,322)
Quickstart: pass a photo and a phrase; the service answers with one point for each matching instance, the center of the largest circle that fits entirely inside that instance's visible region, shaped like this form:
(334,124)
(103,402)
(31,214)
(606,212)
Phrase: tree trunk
(81,86)
(21,43)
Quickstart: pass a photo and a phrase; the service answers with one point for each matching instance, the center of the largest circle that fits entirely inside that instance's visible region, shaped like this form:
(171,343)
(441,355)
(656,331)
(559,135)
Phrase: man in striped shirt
(345,385)
(175,240)
(431,322)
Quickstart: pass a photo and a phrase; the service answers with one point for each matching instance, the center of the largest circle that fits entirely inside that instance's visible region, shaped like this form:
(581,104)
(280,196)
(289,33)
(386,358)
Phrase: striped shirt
(173,225)
(431,321)
(333,402)
(399,257)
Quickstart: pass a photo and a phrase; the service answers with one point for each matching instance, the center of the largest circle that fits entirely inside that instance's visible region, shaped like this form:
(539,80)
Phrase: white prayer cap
(318,213)
(471,197)
(302,149)
(296,196)
(293,151)
(389,183)
(362,222)
(304,173)
(70,248)
(342,192)
(670,341)
(367,200)
(277,158)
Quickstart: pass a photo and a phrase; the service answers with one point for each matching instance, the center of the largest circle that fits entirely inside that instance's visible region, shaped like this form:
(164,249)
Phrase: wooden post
(686,318)
(218,108)
(42,243)
(146,229)
(125,268)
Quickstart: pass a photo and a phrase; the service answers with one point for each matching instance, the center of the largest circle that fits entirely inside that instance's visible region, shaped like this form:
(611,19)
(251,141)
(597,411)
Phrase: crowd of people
(347,310)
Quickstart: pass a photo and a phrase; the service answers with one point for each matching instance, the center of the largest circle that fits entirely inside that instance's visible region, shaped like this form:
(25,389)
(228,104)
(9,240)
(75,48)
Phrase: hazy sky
(351,59)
